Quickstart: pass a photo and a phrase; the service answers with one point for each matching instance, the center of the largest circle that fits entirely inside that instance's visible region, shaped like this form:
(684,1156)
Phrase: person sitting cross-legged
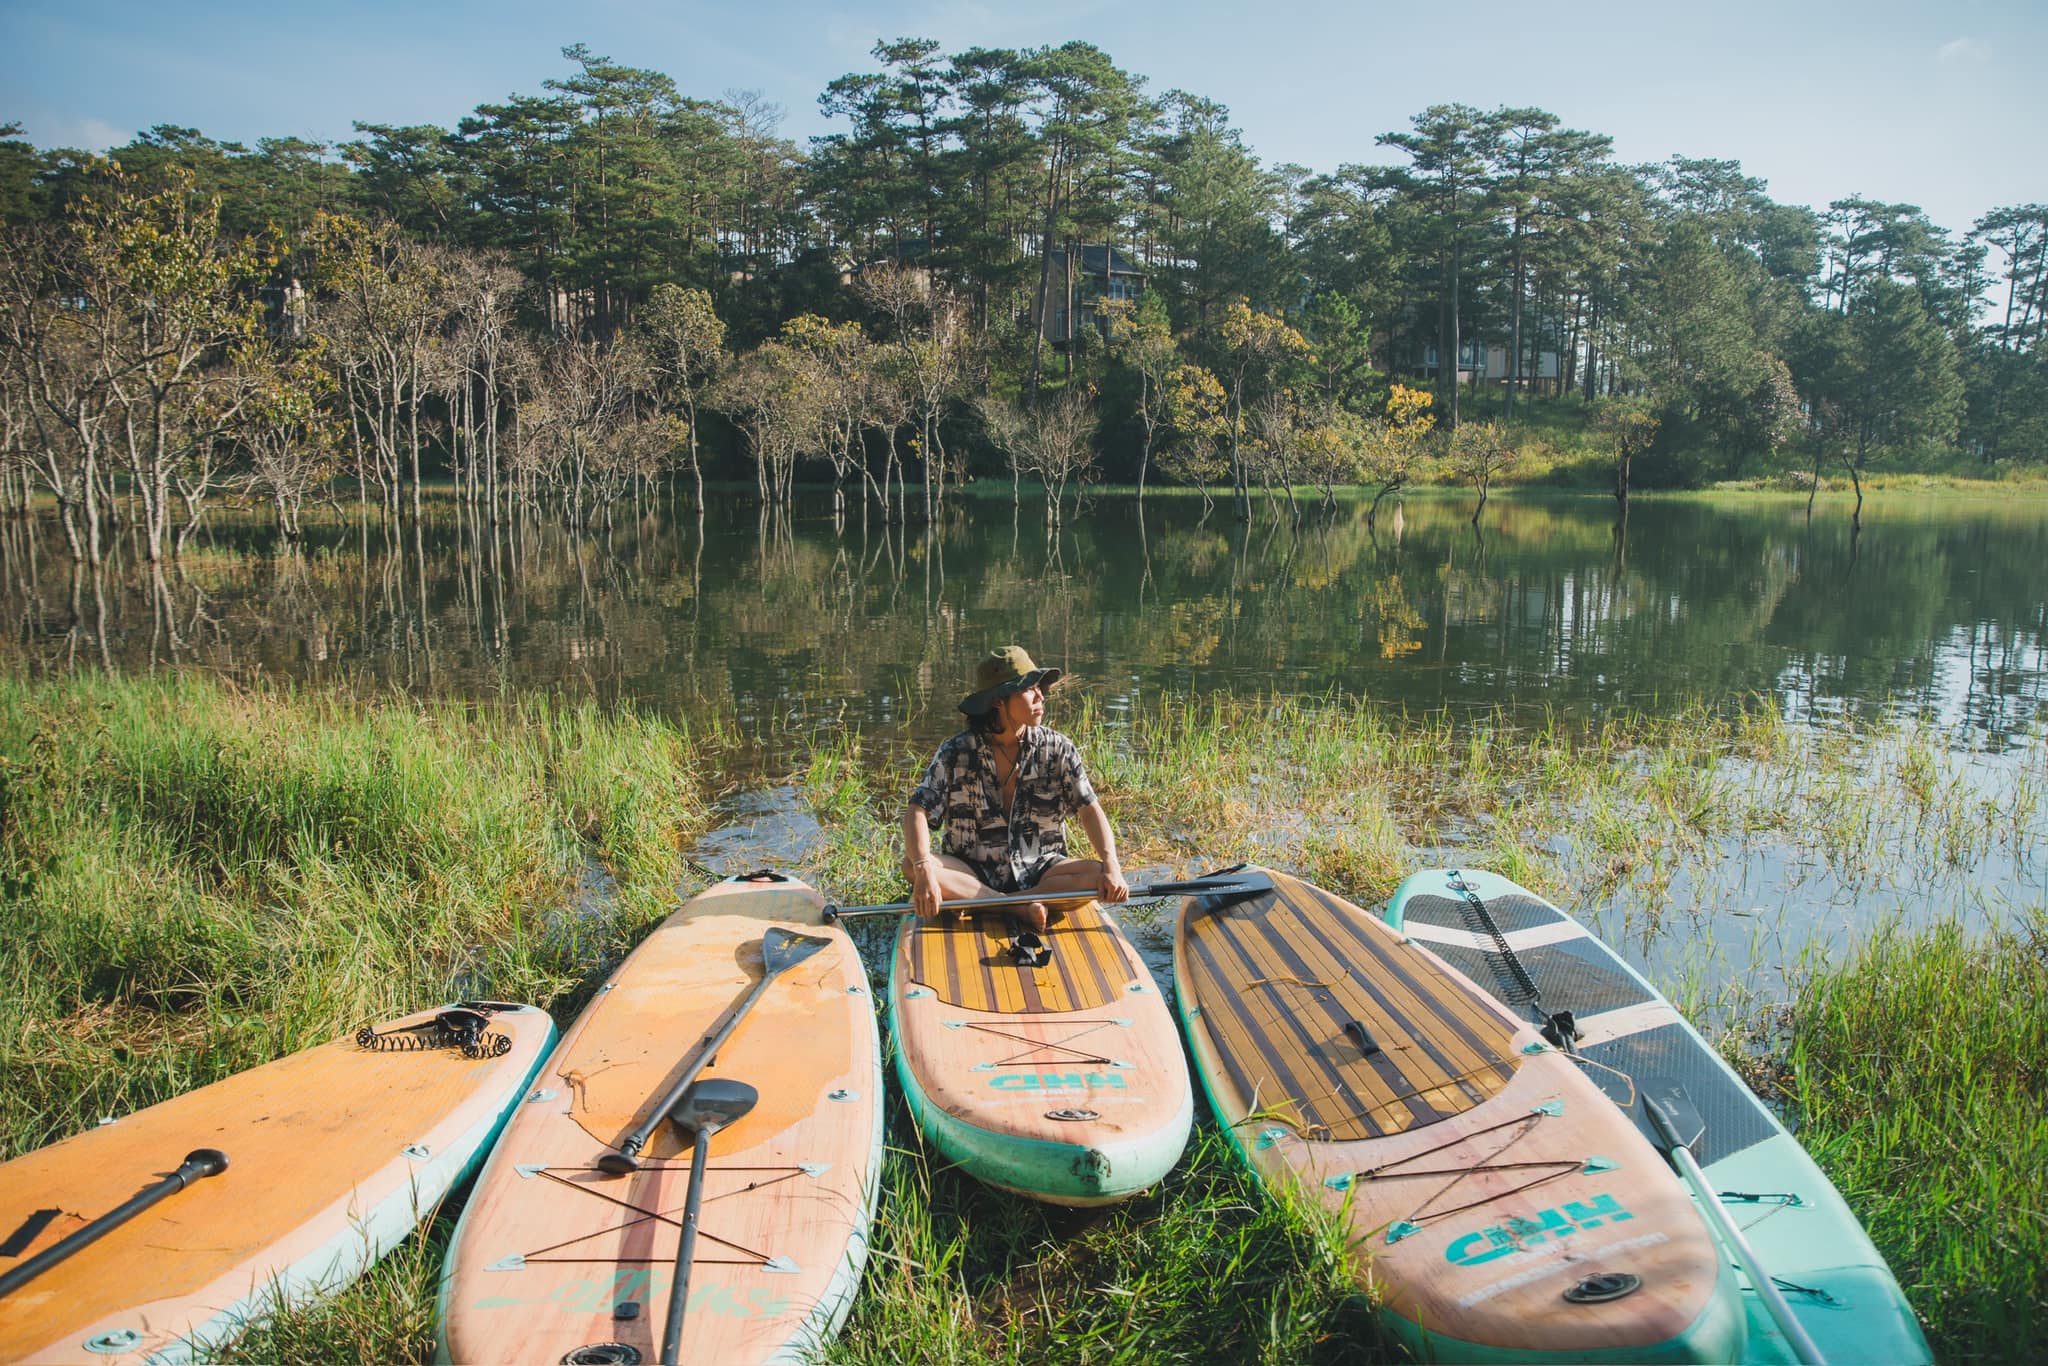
(1000,791)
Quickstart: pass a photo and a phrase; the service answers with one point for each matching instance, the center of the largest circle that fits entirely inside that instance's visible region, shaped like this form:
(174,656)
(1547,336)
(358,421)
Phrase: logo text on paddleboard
(1056,1081)
(1518,1235)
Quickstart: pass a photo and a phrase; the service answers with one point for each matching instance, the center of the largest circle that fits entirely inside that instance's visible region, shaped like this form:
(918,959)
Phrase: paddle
(713,1104)
(1244,883)
(780,951)
(197,1166)
(1677,1121)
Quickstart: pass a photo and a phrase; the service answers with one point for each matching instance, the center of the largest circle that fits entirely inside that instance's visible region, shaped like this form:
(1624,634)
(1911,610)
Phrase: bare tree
(587,394)
(483,294)
(890,408)
(686,344)
(1274,431)
(1256,345)
(284,431)
(1056,443)
(51,354)
(837,356)
(173,295)
(767,396)
(387,311)
(1479,452)
(1145,343)
(930,336)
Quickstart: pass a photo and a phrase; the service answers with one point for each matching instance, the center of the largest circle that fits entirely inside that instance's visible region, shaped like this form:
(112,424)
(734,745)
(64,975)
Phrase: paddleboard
(1633,1041)
(555,1259)
(1062,1081)
(1499,1206)
(334,1155)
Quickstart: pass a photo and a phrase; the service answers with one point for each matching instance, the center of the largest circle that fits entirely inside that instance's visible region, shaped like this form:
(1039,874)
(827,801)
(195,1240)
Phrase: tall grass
(1916,1068)
(196,879)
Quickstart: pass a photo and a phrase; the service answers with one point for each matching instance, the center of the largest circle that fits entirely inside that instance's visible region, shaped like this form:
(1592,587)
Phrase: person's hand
(924,887)
(1113,888)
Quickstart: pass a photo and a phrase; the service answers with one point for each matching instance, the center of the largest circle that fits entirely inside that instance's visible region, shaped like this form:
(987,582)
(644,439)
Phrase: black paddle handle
(1199,886)
(197,1166)
(686,1253)
(635,1141)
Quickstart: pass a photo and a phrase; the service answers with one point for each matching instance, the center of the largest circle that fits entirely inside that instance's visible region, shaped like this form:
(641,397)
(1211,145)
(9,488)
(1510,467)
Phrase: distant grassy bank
(195,878)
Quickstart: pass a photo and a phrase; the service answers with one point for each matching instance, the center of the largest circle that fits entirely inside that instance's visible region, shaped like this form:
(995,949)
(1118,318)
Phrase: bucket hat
(1003,672)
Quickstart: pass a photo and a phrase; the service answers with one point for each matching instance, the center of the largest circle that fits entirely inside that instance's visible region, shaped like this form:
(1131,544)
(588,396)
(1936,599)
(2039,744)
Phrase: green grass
(1201,1268)
(196,878)
(1916,1069)
(387,1316)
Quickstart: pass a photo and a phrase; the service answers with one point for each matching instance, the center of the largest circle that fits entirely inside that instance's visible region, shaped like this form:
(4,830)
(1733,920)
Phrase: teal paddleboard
(1056,1075)
(1635,1045)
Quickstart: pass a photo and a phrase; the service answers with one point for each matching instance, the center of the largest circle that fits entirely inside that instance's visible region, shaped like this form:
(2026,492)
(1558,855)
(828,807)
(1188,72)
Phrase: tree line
(1004,262)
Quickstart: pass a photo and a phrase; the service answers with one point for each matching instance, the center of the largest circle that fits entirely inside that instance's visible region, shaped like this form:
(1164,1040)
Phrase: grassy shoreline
(195,878)
(199,878)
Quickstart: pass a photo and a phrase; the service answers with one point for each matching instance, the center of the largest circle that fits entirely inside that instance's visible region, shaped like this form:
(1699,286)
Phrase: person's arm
(920,865)
(1095,821)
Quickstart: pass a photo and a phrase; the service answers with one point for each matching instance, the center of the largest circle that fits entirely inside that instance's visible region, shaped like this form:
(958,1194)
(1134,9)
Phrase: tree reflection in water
(765,616)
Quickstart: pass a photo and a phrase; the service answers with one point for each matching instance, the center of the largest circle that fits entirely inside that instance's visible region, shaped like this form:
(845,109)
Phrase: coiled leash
(465,1028)
(1560,1030)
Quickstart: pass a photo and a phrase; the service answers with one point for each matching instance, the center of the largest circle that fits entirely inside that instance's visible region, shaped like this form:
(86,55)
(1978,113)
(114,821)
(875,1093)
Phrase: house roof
(1097,260)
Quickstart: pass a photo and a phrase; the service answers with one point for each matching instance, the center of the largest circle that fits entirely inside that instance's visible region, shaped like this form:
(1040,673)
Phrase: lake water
(1937,609)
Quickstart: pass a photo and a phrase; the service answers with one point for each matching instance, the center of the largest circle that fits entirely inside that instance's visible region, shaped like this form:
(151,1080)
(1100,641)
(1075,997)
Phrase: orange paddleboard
(556,1259)
(334,1156)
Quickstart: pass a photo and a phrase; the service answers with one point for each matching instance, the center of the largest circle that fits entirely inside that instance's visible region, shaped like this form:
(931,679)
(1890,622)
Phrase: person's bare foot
(1036,917)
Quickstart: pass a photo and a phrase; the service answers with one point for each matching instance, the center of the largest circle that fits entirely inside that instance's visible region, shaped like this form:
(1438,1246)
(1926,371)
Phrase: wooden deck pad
(1279,977)
(966,962)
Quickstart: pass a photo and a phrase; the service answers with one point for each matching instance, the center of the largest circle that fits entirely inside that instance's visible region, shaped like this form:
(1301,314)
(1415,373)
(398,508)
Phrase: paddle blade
(1245,883)
(712,1104)
(782,948)
(1671,1110)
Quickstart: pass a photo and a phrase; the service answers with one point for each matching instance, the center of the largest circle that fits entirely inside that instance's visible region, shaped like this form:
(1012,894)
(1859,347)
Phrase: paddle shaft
(1192,887)
(679,1295)
(1803,1345)
(198,1165)
(637,1140)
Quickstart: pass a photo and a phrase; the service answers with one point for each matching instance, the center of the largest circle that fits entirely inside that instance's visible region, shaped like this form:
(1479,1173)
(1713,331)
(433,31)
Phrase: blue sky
(1942,105)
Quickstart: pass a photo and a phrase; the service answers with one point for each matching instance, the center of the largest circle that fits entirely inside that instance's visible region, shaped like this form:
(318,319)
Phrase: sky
(1940,105)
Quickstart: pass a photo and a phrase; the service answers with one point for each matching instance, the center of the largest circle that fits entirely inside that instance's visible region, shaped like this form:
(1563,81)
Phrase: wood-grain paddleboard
(555,1260)
(1635,1043)
(335,1154)
(1064,1082)
(1500,1206)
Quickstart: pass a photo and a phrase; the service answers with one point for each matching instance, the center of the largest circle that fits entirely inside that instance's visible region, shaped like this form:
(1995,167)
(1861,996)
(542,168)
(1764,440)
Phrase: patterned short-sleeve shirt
(1008,850)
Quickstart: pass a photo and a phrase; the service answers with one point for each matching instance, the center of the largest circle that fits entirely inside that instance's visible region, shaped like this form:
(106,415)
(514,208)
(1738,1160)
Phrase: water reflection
(798,622)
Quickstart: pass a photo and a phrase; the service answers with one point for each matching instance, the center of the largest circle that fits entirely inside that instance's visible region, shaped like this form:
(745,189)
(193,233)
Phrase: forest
(1009,265)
